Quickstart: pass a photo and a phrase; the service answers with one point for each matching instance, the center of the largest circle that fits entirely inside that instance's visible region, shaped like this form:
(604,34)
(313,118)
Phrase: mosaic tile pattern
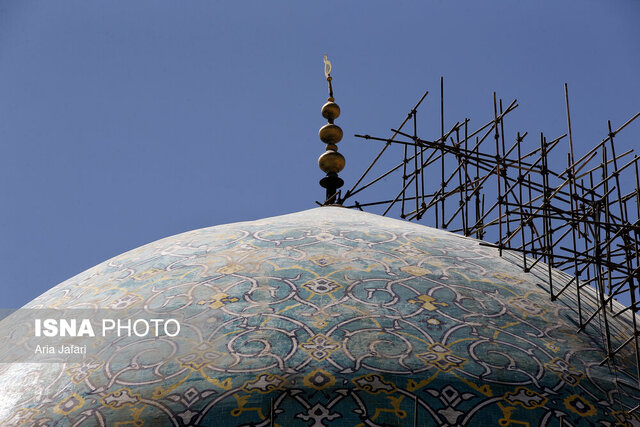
(325,317)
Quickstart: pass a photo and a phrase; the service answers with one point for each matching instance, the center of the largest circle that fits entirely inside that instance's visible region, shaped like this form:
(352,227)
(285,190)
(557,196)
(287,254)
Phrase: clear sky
(125,121)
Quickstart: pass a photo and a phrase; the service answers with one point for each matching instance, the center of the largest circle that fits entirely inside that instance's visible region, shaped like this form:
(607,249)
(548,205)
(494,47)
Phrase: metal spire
(331,162)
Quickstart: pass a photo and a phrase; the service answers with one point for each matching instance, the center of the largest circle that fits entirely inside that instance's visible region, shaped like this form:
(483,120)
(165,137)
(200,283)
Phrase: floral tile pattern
(326,317)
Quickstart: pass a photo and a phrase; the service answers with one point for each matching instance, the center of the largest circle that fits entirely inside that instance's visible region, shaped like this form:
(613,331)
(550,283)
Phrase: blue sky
(122,122)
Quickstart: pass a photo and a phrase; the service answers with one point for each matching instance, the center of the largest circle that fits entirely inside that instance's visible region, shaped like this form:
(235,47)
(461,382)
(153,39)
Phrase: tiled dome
(326,317)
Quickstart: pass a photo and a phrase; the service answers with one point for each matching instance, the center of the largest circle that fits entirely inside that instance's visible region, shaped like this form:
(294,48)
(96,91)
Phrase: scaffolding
(578,218)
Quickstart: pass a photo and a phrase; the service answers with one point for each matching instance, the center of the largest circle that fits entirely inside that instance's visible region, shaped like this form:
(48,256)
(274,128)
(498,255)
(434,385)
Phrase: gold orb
(331,161)
(330,111)
(330,134)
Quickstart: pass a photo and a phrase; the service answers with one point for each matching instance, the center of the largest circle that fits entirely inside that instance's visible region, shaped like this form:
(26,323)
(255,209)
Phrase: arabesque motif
(327,316)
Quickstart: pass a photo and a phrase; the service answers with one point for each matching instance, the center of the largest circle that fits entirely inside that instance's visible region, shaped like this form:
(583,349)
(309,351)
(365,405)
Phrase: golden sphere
(331,161)
(330,134)
(330,111)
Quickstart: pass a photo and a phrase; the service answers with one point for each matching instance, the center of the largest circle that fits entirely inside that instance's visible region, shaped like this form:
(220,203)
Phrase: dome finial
(331,162)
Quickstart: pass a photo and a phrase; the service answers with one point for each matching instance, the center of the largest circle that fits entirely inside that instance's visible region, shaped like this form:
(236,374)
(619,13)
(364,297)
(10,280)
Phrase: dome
(327,317)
